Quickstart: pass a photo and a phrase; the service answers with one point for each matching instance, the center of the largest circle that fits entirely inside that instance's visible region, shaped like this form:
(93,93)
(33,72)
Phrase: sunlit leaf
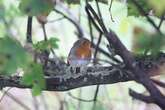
(158,6)
(52,43)
(124,25)
(36,90)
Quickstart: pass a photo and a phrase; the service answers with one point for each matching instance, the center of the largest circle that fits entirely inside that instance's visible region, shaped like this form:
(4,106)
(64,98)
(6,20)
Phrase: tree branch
(29,30)
(140,8)
(140,75)
(141,97)
(61,79)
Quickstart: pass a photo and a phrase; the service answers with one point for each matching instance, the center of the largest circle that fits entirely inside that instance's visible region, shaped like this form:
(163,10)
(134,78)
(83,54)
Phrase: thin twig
(91,31)
(141,97)
(129,60)
(79,102)
(35,102)
(58,19)
(98,10)
(17,101)
(87,8)
(159,83)
(4,94)
(90,27)
(95,54)
(81,34)
(44,31)
(80,31)
(100,36)
(140,8)
(95,97)
(93,21)
(161,21)
(110,7)
(96,48)
(29,30)
(62,105)
(45,52)
(80,99)
(44,102)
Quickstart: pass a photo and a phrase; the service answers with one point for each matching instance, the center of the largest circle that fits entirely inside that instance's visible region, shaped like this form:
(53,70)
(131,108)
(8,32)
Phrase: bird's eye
(86,43)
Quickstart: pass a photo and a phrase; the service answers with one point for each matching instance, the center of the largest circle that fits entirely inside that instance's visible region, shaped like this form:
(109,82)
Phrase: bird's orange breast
(83,52)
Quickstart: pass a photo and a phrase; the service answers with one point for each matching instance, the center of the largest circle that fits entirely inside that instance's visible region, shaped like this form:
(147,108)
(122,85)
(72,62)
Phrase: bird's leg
(74,69)
(71,69)
(78,69)
(83,69)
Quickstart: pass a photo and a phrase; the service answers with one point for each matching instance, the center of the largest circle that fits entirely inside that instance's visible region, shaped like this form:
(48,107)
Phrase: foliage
(2,11)
(12,56)
(132,9)
(145,41)
(36,7)
(34,77)
(46,45)
(158,6)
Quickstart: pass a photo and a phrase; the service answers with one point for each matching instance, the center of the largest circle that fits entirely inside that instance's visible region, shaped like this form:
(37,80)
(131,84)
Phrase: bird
(80,54)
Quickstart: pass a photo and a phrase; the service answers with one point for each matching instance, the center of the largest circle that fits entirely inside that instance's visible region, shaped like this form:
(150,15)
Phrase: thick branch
(141,97)
(141,76)
(129,60)
(61,79)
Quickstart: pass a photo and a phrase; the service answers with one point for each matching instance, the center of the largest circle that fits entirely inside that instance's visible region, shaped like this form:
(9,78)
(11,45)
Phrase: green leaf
(28,78)
(2,11)
(153,43)
(157,43)
(34,77)
(36,90)
(158,6)
(8,12)
(103,1)
(132,9)
(52,43)
(73,1)
(36,7)
(12,56)
(124,25)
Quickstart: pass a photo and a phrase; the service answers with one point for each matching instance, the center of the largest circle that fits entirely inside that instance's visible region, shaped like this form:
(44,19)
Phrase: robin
(80,54)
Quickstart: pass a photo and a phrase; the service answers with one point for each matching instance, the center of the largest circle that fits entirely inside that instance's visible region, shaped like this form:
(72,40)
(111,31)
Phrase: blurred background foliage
(131,26)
